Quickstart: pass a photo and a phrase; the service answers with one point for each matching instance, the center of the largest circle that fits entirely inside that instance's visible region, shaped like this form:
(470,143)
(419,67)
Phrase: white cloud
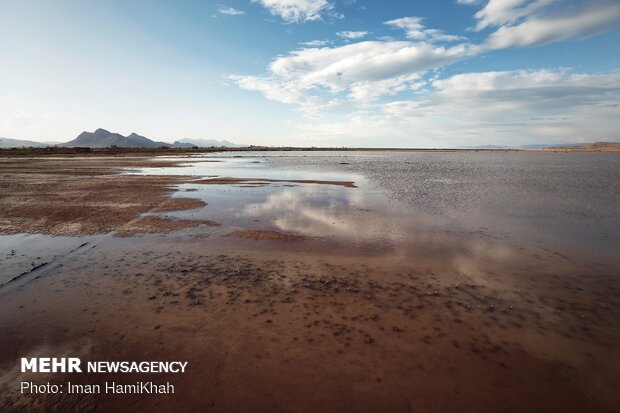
(286,92)
(545,90)
(513,106)
(369,80)
(520,23)
(321,74)
(318,76)
(316,43)
(352,35)
(296,213)
(593,18)
(297,11)
(271,89)
(500,12)
(229,11)
(414,29)
(367,91)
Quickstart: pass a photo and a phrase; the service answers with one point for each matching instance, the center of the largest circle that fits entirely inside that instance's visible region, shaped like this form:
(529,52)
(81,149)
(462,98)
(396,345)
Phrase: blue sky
(377,73)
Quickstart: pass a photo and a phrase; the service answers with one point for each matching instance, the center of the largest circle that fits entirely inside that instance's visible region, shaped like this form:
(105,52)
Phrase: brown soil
(253,181)
(265,235)
(90,195)
(77,196)
(593,147)
(157,225)
(280,330)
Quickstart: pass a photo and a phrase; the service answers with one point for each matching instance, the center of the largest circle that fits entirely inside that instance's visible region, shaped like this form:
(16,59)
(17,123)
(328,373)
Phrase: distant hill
(204,143)
(484,147)
(596,146)
(102,138)
(605,146)
(6,143)
(530,146)
(179,144)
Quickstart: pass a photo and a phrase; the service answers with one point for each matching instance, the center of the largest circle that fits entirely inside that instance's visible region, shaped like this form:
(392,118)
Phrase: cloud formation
(352,35)
(297,11)
(230,11)
(520,23)
(363,70)
(316,43)
(537,106)
(488,95)
(388,88)
(586,20)
(501,12)
(528,107)
(414,29)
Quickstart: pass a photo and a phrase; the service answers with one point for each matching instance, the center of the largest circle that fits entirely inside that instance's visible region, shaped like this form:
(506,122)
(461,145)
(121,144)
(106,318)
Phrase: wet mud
(289,306)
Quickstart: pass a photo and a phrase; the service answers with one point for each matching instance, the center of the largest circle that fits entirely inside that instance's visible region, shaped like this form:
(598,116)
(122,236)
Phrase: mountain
(179,144)
(102,138)
(204,143)
(6,143)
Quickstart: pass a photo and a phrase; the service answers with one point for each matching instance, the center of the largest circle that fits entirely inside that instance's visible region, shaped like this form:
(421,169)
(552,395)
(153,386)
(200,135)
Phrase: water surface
(567,202)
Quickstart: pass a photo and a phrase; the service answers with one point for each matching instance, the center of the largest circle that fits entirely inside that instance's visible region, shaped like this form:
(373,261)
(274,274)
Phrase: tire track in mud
(40,269)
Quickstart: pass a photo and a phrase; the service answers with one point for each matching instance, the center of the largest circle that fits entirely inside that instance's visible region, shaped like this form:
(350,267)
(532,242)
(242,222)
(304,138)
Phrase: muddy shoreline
(271,321)
(84,196)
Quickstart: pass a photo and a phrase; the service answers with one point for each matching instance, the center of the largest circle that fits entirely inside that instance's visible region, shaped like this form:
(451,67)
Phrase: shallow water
(566,202)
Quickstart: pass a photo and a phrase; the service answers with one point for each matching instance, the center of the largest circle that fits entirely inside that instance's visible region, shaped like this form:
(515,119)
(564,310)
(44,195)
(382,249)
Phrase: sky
(356,73)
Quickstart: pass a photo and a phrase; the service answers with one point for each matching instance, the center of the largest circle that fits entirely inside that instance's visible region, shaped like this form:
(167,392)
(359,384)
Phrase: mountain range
(6,143)
(204,143)
(102,138)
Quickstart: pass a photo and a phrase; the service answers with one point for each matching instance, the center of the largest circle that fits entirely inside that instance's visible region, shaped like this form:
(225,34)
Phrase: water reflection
(356,215)
(442,211)
(252,167)
(313,211)
(349,215)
